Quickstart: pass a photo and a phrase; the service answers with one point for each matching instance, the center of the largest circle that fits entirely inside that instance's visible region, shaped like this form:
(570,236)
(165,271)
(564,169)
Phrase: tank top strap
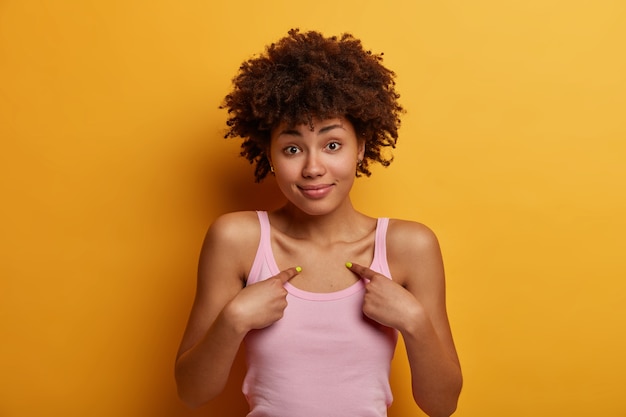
(258,269)
(264,221)
(379,263)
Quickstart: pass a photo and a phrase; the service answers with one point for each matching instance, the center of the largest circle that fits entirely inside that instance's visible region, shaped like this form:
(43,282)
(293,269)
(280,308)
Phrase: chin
(316,208)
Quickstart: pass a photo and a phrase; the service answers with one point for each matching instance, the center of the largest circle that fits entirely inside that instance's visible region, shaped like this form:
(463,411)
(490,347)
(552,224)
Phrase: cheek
(344,167)
(286,170)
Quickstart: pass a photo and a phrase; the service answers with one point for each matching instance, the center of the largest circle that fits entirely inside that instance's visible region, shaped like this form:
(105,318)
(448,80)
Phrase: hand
(262,303)
(385,301)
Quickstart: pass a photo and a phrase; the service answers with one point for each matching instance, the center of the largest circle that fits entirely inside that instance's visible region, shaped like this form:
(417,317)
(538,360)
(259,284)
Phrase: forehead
(316,125)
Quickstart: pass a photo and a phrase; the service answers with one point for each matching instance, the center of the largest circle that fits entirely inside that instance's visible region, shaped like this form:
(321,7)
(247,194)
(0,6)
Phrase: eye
(333,146)
(291,150)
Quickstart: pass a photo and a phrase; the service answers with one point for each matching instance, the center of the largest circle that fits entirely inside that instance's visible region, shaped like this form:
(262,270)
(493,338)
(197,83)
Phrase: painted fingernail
(349,264)
(298,269)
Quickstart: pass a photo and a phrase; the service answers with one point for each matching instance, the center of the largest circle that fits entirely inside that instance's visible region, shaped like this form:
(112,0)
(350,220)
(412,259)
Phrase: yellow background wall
(112,166)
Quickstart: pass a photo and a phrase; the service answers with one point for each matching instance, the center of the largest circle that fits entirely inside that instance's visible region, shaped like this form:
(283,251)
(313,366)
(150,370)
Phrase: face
(315,169)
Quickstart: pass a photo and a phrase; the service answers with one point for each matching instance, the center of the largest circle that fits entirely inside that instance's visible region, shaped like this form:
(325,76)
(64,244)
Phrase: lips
(316,191)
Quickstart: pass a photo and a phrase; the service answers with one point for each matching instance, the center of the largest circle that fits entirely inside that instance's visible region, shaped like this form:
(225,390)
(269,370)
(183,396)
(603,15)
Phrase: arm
(414,304)
(223,310)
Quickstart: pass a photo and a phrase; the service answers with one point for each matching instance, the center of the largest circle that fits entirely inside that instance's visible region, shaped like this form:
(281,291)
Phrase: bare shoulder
(411,238)
(234,227)
(413,253)
(233,237)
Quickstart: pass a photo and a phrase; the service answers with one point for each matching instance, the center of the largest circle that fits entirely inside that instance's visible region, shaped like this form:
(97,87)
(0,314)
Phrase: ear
(269,161)
(267,153)
(361,150)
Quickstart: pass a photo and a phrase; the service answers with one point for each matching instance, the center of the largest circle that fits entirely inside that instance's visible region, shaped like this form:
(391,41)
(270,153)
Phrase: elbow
(189,402)
(192,398)
(443,405)
(192,393)
(188,399)
(447,412)
(441,410)
(449,406)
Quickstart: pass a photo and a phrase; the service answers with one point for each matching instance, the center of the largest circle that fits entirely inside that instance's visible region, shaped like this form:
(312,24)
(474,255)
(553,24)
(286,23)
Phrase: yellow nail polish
(298,269)
(349,264)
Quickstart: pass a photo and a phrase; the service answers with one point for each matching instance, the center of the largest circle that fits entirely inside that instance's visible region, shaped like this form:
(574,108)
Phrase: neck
(343,224)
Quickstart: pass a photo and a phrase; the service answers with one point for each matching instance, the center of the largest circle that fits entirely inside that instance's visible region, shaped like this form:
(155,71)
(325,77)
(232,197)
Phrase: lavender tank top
(323,357)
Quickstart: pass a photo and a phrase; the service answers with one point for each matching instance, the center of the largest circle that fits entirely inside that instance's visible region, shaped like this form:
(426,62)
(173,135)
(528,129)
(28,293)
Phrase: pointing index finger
(289,273)
(360,270)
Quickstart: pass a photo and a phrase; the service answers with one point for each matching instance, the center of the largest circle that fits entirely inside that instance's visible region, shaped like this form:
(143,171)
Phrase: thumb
(289,273)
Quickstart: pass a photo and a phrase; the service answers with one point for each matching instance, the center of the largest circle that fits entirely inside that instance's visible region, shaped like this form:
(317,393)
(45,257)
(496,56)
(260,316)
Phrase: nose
(313,166)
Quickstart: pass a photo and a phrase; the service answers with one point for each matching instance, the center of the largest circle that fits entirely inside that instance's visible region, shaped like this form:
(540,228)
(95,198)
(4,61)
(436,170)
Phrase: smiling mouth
(315,191)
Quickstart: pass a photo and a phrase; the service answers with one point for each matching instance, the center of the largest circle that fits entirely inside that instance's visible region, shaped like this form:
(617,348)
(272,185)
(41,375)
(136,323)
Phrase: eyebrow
(325,129)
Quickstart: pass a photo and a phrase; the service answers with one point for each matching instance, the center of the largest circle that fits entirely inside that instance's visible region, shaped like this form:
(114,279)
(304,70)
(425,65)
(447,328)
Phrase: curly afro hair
(307,75)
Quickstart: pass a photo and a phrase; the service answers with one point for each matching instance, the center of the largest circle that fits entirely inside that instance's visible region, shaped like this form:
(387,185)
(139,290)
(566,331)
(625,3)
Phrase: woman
(317,290)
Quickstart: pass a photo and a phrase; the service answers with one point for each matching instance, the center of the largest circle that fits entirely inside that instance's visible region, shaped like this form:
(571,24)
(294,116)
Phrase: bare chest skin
(323,265)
